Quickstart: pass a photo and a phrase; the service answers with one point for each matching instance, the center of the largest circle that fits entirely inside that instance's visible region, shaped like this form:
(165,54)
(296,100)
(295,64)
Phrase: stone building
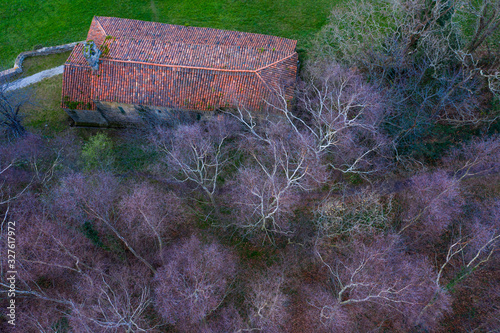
(163,71)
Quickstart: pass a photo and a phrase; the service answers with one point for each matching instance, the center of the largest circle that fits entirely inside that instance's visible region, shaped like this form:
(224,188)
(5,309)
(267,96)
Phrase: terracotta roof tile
(158,64)
(123,28)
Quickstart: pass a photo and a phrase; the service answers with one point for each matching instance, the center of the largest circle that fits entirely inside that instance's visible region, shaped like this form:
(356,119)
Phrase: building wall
(87,117)
(112,114)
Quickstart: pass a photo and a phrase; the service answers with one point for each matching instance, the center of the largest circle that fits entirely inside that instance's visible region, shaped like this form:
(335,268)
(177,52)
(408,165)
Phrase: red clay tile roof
(156,64)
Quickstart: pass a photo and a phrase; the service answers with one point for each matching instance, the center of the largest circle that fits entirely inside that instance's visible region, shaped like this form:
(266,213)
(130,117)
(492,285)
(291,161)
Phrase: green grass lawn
(27,23)
(33,65)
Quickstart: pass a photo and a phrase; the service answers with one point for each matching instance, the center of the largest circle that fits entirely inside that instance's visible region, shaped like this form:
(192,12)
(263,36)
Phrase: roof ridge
(168,66)
(180,66)
(200,67)
(189,67)
(76,65)
(100,25)
(264,81)
(276,62)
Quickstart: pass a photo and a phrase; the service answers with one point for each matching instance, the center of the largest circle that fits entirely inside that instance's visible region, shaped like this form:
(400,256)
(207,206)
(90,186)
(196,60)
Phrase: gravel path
(24,82)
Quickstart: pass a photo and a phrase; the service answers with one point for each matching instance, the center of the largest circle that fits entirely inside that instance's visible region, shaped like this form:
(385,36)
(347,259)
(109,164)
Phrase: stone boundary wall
(18,69)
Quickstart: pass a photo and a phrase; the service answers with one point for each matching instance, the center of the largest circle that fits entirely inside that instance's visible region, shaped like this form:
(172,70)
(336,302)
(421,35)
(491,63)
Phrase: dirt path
(24,82)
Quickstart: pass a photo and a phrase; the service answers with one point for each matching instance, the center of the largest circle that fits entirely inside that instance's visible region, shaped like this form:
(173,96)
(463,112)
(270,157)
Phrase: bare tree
(5,195)
(486,17)
(197,153)
(422,56)
(269,183)
(338,127)
(468,267)
(432,201)
(339,118)
(59,270)
(323,312)
(40,316)
(227,319)
(93,197)
(150,215)
(193,281)
(472,249)
(475,256)
(477,157)
(267,302)
(47,255)
(109,303)
(20,167)
(50,250)
(439,30)
(11,102)
(113,303)
(384,284)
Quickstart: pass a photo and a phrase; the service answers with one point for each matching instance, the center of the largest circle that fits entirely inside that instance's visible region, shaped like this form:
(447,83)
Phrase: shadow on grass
(44,114)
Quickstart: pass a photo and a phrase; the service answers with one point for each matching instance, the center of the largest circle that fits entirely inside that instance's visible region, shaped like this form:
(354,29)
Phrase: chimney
(92,54)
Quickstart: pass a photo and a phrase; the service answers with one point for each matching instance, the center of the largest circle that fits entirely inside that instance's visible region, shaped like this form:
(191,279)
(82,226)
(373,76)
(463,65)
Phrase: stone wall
(18,69)
(112,114)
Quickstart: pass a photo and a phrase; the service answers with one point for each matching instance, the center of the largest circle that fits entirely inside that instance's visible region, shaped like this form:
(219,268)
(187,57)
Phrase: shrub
(97,153)
(363,213)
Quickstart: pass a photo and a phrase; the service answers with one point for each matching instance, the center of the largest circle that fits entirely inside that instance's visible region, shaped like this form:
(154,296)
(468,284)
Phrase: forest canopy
(372,202)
